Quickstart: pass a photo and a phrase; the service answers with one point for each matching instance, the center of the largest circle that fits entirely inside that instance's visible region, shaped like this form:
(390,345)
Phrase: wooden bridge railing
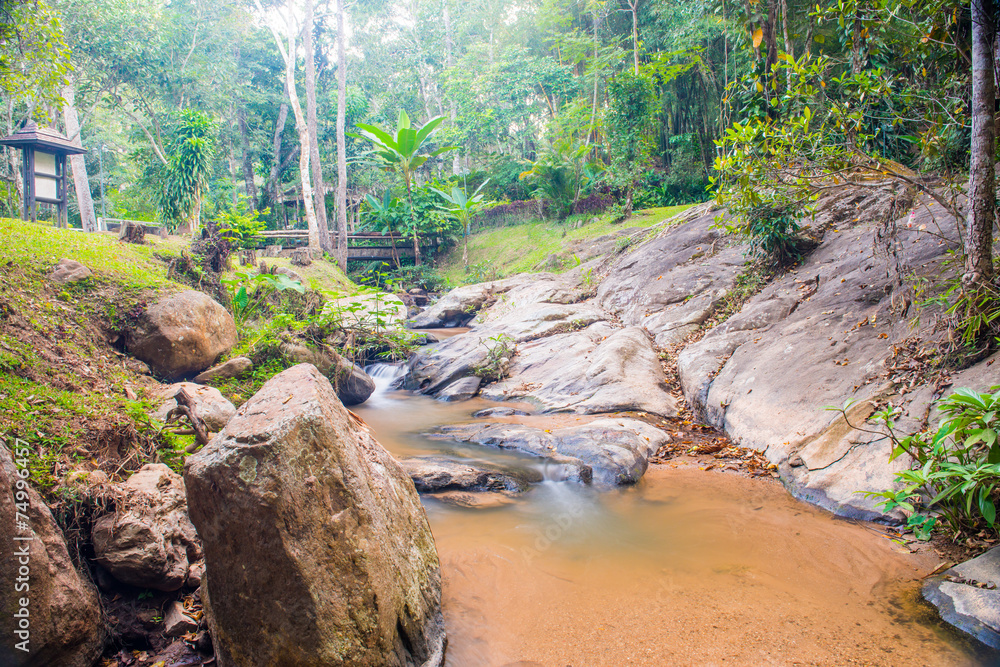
(369,247)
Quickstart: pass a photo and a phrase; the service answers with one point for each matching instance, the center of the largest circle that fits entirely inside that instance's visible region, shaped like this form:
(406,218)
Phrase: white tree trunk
(341,141)
(81,183)
(289,55)
(319,192)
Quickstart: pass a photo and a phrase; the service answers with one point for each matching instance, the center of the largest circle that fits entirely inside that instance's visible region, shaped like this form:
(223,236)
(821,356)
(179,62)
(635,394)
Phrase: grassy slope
(521,248)
(64,387)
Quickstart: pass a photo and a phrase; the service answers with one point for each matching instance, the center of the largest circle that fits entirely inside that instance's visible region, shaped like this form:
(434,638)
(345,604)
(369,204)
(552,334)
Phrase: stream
(686,567)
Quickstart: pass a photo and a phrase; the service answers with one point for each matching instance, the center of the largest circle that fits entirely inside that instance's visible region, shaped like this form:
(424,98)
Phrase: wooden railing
(363,246)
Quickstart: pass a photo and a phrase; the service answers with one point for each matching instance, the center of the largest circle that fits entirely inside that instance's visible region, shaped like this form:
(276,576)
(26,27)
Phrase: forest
(499,332)
(199,111)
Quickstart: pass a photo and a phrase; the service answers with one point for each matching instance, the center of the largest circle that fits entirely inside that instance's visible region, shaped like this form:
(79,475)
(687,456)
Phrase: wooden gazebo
(43,168)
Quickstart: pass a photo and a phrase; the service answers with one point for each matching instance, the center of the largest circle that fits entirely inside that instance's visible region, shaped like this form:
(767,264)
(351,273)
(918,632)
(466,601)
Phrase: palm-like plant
(401,152)
(462,208)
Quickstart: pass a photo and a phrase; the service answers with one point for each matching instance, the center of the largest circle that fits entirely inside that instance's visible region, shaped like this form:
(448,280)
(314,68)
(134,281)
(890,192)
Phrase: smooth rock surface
(671,284)
(182,333)
(432,474)
(599,369)
(149,541)
(460,305)
(210,405)
(344,569)
(64,614)
(176,622)
(608,451)
(971,609)
(460,390)
(68,271)
(233,368)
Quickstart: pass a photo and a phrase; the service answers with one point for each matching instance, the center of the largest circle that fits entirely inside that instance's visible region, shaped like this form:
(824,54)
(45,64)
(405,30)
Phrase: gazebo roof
(43,138)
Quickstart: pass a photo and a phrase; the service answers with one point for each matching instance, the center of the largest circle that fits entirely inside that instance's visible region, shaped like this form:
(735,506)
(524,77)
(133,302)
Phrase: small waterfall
(384,374)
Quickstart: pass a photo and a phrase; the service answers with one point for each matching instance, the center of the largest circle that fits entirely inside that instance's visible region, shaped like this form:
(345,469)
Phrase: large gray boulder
(181,334)
(317,549)
(596,370)
(459,306)
(352,384)
(46,607)
(607,452)
(149,541)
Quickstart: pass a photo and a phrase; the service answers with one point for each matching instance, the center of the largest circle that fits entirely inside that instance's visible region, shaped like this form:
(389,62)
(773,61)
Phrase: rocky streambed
(549,529)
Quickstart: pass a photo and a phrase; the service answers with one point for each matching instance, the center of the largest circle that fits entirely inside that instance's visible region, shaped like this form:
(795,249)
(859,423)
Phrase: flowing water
(688,567)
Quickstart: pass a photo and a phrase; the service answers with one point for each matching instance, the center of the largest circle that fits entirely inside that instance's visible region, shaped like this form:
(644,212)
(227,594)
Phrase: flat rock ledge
(963,604)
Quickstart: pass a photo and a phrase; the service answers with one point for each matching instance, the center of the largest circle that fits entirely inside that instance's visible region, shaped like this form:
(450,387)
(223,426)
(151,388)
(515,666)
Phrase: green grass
(39,247)
(322,274)
(520,248)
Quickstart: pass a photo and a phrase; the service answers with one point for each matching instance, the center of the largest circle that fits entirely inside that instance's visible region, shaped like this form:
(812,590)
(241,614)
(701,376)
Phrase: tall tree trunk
(274,179)
(81,183)
(319,188)
(634,6)
(449,60)
(788,41)
(341,141)
(251,187)
(982,192)
(289,56)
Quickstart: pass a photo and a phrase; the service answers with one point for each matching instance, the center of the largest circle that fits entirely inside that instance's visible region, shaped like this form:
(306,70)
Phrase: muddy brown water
(688,567)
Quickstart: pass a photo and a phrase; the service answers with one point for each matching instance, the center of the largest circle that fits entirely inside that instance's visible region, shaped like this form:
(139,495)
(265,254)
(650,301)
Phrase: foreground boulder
(317,549)
(182,333)
(69,271)
(62,614)
(149,541)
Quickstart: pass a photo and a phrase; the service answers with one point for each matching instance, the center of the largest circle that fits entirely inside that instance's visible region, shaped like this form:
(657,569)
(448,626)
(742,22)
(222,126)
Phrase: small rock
(138,367)
(483,500)
(353,385)
(499,412)
(149,541)
(460,390)
(432,474)
(195,574)
(233,368)
(68,271)
(210,405)
(176,622)
(292,275)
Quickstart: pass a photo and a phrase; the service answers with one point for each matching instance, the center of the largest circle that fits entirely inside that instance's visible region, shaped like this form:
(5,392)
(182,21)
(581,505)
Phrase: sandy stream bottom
(688,567)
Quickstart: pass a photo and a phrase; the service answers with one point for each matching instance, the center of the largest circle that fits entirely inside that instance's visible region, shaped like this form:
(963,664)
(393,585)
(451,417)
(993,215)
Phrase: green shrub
(956,469)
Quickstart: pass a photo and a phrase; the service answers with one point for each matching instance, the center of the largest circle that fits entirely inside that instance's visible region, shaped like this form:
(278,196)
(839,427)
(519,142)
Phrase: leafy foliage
(186,175)
(955,474)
